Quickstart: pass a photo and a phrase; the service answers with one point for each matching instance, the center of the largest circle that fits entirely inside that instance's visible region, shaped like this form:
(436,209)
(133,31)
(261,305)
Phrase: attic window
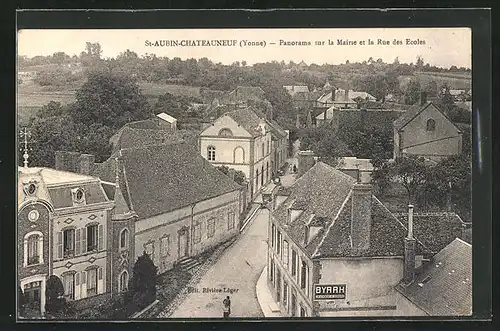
(225,132)
(78,195)
(426,279)
(431,125)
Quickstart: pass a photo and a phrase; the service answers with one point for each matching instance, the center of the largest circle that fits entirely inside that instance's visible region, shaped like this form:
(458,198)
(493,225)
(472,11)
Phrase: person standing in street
(226,303)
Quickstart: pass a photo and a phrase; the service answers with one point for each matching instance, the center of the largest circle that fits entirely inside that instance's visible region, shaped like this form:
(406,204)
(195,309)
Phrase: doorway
(32,296)
(183,243)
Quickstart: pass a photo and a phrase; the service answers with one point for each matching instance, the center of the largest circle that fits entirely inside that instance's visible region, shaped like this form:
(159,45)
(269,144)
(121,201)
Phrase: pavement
(267,304)
(235,273)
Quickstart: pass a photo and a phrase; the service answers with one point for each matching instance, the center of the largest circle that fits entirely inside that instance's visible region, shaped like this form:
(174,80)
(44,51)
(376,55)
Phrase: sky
(442,47)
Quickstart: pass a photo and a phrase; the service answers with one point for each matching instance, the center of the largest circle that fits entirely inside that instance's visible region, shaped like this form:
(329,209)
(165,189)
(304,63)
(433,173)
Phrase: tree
(142,287)
(53,108)
(54,296)
(92,54)
(431,88)
(239,176)
(412,92)
(60,58)
(420,62)
(410,171)
(111,100)
(48,135)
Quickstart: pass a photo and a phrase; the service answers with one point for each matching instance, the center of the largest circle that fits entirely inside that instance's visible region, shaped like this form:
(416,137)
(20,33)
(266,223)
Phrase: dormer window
(78,195)
(30,188)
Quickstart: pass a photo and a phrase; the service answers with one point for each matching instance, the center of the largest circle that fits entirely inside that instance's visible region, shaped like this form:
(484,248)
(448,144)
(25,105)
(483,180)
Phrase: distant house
(424,130)
(362,96)
(444,287)
(336,250)
(243,94)
(337,98)
(292,89)
(167,121)
(241,140)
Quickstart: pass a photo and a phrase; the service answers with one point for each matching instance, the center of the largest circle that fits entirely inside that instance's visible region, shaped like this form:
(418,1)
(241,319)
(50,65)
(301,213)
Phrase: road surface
(238,269)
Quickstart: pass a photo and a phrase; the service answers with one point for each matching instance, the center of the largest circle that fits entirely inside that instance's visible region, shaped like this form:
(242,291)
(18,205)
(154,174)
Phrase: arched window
(124,239)
(239,155)
(225,132)
(123,281)
(33,248)
(211,153)
(431,125)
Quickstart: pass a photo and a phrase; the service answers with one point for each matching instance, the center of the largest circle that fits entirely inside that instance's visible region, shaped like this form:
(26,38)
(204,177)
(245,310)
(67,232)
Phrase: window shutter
(99,243)
(100,273)
(78,241)
(84,240)
(59,245)
(77,279)
(84,277)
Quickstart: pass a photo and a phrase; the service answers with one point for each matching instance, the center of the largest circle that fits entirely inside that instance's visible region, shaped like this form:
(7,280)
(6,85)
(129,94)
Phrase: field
(31,96)
(457,81)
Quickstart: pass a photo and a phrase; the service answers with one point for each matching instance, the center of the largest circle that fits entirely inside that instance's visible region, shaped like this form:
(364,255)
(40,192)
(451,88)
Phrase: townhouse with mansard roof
(329,230)
(66,225)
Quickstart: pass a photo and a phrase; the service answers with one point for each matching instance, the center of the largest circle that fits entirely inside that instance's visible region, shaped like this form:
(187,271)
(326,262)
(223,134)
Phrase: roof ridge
(332,223)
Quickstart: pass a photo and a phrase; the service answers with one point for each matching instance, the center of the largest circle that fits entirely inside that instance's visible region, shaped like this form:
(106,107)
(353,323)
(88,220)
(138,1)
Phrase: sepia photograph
(244,173)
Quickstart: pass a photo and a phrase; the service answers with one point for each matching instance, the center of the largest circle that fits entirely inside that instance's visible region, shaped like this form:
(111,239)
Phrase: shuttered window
(59,245)
(100,242)
(78,243)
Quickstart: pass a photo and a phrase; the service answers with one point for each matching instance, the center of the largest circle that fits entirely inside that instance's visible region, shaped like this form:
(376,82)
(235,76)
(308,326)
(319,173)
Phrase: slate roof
(158,179)
(248,119)
(59,185)
(444,287)
(326,193)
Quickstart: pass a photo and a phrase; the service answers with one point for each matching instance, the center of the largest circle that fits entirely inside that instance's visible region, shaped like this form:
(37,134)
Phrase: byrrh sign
(329,292)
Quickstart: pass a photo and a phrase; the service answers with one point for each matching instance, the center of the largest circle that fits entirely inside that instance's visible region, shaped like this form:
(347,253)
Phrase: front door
(32,295)
(183,244)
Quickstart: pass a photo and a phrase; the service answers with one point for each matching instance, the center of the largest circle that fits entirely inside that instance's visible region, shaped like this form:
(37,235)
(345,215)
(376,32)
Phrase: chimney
(361,216)
(67,161)
(86,164)
(423,98)
(305,161)
(409,258)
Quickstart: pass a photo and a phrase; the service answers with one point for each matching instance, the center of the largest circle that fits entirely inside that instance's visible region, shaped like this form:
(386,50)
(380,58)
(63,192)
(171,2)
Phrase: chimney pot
(409,254)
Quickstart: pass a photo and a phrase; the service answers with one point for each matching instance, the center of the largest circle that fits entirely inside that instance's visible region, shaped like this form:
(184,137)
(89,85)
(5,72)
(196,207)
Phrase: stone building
(241,140)
(424,130)
(336,250)
(181,204)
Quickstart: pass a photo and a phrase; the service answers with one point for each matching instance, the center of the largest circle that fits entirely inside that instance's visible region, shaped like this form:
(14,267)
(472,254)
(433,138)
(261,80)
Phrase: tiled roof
(435,231)
(159,179)
(324,189)
(135,138)
(248,119)
(444,287)
(326,192)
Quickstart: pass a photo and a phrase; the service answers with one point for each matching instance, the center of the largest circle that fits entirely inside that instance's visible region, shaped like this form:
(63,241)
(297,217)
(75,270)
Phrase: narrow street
(238,268)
